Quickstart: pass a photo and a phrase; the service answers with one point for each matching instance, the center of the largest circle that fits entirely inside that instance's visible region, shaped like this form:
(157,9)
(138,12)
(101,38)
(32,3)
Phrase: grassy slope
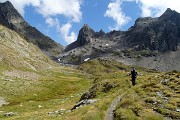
(31,83)
(155,96)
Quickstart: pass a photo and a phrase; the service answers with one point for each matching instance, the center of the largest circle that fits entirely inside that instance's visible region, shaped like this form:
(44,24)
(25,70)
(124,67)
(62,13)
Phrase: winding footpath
(110,111)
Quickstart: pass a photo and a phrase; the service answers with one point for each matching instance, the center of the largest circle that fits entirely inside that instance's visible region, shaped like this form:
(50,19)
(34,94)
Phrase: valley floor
(51,97)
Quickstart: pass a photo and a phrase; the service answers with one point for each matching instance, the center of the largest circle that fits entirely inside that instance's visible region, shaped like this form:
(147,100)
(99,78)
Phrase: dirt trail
(110,111)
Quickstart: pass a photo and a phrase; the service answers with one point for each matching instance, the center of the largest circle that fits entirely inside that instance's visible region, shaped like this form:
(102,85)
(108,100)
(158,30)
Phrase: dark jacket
(133,74)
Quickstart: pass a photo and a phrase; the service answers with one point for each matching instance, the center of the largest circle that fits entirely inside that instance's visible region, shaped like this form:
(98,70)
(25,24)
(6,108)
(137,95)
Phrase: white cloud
(71,9)
(68,8)
(47,8)
(155,8)
(65,32)
(115,12)
(53,22)
(50,21)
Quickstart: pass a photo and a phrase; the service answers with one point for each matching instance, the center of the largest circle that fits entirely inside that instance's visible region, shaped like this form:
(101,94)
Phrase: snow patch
(87,59)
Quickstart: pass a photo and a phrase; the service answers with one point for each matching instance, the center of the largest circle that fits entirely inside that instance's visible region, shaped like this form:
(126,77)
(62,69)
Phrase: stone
(84,102)
(9,114)
(178,109)
(39,106)
(58,112)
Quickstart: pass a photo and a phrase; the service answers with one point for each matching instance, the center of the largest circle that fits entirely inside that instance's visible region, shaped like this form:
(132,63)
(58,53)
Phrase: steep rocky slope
(10,18)
(151,42)
(162,33)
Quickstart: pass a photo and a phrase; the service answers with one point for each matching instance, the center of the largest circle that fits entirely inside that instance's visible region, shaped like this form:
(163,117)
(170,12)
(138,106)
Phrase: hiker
(133,76)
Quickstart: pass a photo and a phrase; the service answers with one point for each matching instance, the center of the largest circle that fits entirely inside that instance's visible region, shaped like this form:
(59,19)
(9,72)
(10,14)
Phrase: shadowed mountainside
(10,18)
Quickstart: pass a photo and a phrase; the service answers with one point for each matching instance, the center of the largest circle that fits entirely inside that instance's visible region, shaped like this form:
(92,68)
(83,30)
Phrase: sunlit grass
(62,88)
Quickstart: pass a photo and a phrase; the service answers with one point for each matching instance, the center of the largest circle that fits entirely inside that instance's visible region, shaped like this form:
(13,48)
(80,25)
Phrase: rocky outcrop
(162,33)
(85,35)
(9,114)
(10,18)
(101,33)
(83,103)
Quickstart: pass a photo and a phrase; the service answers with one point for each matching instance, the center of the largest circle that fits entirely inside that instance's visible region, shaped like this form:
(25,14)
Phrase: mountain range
(151,42)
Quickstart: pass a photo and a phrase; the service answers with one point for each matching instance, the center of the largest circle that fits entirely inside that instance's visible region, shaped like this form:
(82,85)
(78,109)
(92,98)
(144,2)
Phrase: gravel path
(110,112)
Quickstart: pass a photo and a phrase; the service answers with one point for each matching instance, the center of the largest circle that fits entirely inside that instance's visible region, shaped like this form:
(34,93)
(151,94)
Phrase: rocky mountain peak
(7,4)
(86,27)
(101,33)
(168,14)
(161,33)
(169,11)
(10,16)
(143,21)
(86,30)
(85,35)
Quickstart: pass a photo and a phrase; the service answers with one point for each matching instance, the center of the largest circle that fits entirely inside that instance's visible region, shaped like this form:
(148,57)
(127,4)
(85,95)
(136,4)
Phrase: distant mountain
(10,18)
(151,42)
(162,33)
(85,35)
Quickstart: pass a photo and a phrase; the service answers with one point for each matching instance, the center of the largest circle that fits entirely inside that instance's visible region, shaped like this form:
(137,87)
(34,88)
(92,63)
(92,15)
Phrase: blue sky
(62,19)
